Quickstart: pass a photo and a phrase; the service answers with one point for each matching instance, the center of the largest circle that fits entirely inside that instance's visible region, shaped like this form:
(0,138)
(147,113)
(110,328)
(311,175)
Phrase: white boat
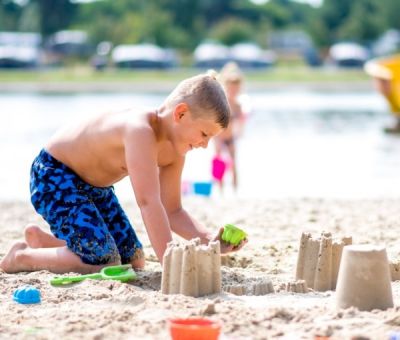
(348,54)
(143,56)
(19,50)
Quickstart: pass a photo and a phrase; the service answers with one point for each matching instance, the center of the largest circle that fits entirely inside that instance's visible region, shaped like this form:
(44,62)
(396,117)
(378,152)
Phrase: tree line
(183,24)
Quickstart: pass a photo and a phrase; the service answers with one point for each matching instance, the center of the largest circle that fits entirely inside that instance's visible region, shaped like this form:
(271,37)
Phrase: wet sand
(113,310)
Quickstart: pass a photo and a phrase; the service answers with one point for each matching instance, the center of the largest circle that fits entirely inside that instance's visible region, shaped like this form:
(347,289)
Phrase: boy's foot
(35,237)
(138,260)
(10,262)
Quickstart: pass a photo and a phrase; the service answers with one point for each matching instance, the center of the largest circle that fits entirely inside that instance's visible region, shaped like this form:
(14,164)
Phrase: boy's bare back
(96,148)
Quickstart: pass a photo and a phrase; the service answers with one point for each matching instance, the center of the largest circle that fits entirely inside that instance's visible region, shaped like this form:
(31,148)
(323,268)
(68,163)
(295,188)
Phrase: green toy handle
(62,280)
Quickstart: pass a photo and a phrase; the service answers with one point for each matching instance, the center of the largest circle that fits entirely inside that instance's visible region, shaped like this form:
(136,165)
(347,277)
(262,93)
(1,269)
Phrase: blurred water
(296,144)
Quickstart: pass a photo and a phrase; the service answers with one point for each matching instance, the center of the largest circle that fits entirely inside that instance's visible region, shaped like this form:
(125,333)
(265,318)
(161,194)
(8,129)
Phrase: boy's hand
(228,247)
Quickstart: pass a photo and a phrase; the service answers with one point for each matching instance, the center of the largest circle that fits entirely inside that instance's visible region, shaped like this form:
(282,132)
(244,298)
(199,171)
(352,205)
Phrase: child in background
(72,177)
(231,79)
(386,73)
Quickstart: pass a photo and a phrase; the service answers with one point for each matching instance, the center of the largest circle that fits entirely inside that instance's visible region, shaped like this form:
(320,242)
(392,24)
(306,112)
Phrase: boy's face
(192,132)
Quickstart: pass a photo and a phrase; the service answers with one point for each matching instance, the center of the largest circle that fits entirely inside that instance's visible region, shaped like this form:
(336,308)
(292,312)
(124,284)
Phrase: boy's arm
(180,221)
(141,162)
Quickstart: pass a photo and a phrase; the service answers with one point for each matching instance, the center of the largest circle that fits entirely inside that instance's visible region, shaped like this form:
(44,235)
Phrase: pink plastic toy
(218,168)
(186,187)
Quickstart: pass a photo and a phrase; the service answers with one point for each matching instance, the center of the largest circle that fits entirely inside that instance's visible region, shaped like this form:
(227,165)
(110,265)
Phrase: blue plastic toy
(202,188)
(27,295)
(394,336)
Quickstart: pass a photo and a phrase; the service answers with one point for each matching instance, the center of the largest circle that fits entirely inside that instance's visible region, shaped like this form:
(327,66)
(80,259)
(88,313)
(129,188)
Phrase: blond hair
(231,73)
(205,97)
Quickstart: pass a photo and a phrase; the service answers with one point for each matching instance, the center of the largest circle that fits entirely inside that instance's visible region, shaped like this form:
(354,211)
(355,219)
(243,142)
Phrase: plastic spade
(121,273)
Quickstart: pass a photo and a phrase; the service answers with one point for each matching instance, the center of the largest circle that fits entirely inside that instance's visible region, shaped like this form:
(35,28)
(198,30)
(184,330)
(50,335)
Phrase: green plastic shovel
(121,273)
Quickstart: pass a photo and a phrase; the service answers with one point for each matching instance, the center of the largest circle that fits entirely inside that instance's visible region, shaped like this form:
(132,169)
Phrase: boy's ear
(180,110)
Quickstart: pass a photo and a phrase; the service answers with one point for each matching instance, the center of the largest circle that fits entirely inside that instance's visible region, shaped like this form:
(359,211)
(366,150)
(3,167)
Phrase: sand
(113,310)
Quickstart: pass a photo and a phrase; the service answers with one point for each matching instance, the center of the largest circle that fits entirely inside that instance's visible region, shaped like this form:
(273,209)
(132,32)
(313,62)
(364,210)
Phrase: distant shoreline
(166,86)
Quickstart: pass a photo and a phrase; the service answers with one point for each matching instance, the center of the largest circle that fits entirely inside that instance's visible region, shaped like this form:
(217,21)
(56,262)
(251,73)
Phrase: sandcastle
(263,287)
(364,278)
(319,259)
(298,286)
(192,269)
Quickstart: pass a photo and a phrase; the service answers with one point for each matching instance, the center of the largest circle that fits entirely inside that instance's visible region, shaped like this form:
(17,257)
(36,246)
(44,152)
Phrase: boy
(72,178)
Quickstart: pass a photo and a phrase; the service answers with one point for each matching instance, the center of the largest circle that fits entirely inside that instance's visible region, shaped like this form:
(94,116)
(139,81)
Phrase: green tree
(29,20)
(391,9)
(231,31)
(125,22)
(364,23)
(184,23)
(9,14)
(214,10)
(333,13)
(116,21)
(319,32)
(55,15)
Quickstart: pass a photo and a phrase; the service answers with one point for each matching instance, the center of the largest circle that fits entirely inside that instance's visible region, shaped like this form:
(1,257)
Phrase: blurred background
(315,120)
(185,33)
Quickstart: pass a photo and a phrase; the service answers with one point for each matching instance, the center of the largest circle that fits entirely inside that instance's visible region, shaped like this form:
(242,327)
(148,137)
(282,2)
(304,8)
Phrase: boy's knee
(107,259)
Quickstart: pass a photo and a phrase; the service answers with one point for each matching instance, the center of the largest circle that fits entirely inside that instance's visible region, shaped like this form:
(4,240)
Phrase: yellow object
(386,71)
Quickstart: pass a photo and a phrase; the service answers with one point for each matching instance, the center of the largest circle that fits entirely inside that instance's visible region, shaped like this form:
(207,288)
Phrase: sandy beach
(113,310)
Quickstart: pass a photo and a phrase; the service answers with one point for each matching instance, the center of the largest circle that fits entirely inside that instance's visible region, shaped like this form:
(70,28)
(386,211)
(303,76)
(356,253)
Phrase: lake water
(295,144)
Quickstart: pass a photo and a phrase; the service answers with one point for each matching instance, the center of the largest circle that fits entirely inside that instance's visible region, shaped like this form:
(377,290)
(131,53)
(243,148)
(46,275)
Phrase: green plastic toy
(233,234)
(121,273)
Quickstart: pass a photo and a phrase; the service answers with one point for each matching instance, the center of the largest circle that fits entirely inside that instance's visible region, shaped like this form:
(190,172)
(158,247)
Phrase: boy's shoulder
(140,125)
(136,116)
(136,120)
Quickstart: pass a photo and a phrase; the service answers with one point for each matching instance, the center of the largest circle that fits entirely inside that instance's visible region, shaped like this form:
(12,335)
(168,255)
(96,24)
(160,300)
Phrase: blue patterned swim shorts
(90,219)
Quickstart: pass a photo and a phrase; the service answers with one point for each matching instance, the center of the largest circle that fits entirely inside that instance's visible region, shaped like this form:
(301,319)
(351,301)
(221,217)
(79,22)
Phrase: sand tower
(298,286)
(364,278)
(258,287)
(319,260)
(192,269)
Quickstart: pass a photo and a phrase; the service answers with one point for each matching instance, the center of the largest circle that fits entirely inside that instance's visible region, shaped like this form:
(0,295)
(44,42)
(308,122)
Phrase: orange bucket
(194,329)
